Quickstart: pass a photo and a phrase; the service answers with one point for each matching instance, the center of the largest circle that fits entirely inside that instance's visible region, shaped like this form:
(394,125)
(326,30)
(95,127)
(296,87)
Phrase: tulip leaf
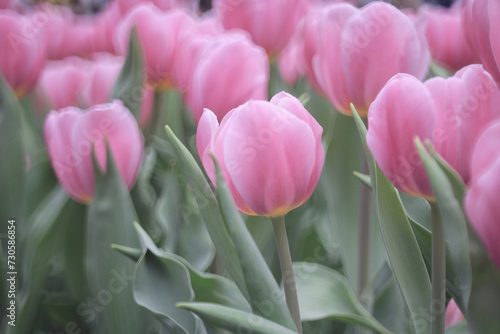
(455,226)
(210,212)
(234,320)
(12,159)
(460,328)
(324,293)
(259,279)
(129,85)
(109,274)
(402,248)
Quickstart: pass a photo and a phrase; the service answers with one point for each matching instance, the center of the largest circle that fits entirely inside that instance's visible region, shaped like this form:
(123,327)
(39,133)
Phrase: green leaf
(365,179)
(402,248)
(460,328)
(234,320)
(109,274)
(259,279)
(209,210)
(455,226)
(128,86)
(12,159)
(132,253)
(324,293)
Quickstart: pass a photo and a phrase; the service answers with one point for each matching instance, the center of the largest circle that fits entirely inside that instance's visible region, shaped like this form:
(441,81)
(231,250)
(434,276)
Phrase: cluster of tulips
(131,138)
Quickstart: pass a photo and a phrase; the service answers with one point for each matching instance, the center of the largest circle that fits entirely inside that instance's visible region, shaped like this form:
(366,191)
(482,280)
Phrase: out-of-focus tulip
(103,28)
(486,25)
(291,62)
(160,35)
(270,153)
(481,201)
(22,56)
(126,5)
(360,50)
(270,23)
(451,113)
(5,4)
(230,72)
(309,31)
(70,135)
(446,37)
(61,82)
(453,314)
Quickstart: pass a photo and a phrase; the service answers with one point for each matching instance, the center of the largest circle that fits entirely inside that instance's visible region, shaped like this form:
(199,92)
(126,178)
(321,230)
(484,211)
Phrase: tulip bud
(72,134)
(270,153)
(451,113)
(360,50)
(160,36)
(446,38)
(453,314)
(481,201)
(230,72)
(22,56)
(270,23)
(127,5)
(486,26)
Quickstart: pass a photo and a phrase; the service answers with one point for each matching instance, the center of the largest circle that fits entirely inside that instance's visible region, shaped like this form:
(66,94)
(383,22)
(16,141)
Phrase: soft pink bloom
(360,50)
(70,135)
(446,37)
(270,153)
(103,28)
(270,23)
(486,26)
(230,72)
(5,4)
(451,113)
(160,35)
(481,202)
(62,81)
(453,314)
(22,54)
(126,5)
(291,62)
(468,27)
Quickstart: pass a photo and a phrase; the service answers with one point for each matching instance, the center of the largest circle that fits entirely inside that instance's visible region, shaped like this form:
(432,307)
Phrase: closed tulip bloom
(126,5)
(450,113)
(160,36)
(5,4)
(231,71)
(70,134)
(481,201)
(290,62)
(486,26)
(446,37)
(270,153)
(360,50)
(22,55)
(270,23)
(453,314)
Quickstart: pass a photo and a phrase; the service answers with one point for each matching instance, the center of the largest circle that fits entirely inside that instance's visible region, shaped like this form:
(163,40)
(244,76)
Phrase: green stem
(363,229)
(287,270)
(153,122)
(438,271)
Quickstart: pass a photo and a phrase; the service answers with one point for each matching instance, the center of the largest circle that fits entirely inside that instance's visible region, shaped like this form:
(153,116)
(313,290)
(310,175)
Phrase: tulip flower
(160,35)
(450,113)
(486,27)
(453,314)
(481,201)
(230,72)
(290,62)
(127,5)
(22,55)
(5,3)
(446,38)
(72,134)
(270,23)
(270,153)
(360,50)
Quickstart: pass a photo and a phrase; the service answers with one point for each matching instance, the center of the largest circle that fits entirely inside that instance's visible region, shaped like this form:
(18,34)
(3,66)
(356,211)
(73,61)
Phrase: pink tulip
(270,23)
(360,50)
(446,37)
(449,112)
(291,62)
(22,56)
(230,72)
(453,314)
(481,202)
(270,153)
(126,5)
(70,135)
(5,4)
(486,25)
(160,35)
(103,28)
